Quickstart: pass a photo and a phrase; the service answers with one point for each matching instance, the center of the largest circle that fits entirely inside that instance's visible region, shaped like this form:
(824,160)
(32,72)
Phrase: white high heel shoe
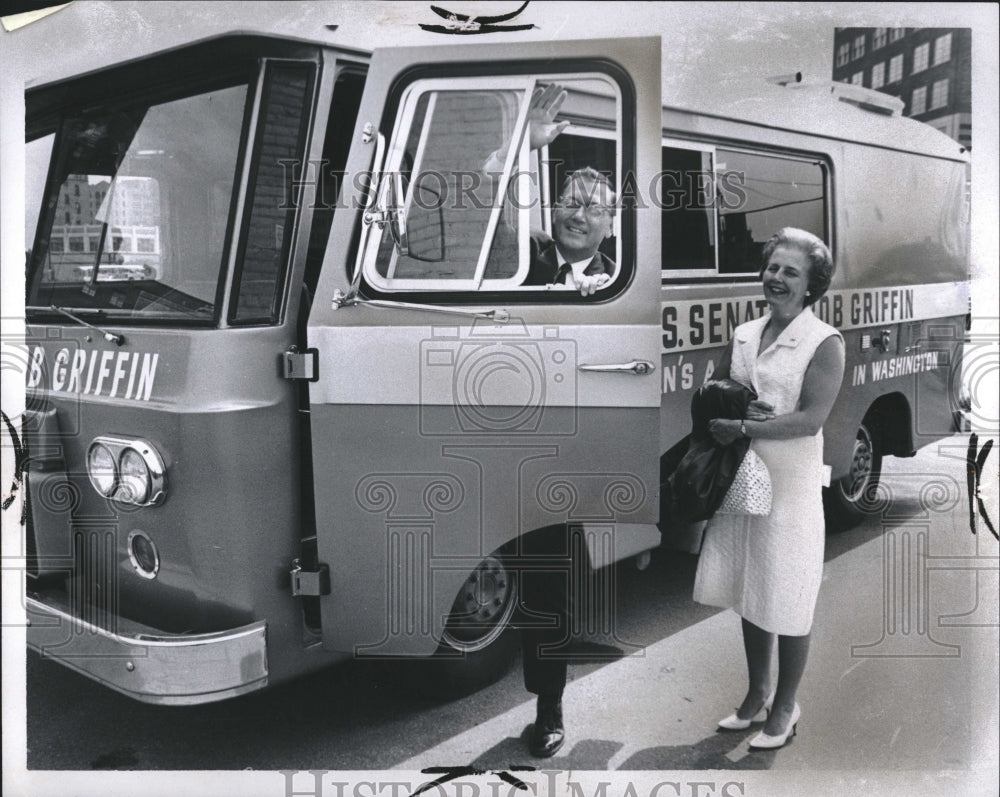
(764,742)
(734,723)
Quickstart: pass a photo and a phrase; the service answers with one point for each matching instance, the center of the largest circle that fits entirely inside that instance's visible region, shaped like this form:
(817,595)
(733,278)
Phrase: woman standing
(769,568)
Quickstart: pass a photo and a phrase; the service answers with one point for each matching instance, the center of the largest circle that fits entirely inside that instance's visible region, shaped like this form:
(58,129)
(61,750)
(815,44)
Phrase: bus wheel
(479,644)
(848,500)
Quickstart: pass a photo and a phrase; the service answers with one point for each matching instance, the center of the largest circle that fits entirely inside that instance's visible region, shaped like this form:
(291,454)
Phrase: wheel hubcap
(483,607)
(861,466)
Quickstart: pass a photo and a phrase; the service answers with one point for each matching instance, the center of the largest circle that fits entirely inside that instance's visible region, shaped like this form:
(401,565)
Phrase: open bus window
(687,196)
(577,147)
(463,200)
(133,206)
(720,206)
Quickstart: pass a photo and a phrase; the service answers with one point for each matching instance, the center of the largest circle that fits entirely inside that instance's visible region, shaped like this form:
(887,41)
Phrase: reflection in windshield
(138,205)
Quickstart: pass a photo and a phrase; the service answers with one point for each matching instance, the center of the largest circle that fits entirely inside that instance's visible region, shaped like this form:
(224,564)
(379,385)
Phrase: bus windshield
(135,208)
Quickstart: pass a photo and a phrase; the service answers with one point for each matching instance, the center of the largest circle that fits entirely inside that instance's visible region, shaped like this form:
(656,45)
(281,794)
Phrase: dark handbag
(696,485)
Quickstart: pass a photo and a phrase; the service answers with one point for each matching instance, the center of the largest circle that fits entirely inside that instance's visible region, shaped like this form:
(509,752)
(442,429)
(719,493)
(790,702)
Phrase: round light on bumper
(101,469)
(143,554)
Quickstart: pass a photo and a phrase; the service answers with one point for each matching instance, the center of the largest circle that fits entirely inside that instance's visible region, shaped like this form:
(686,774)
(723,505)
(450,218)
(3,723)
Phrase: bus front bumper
(148,665)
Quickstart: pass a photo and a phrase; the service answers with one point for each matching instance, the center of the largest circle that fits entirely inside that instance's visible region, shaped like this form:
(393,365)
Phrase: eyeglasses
(592,211)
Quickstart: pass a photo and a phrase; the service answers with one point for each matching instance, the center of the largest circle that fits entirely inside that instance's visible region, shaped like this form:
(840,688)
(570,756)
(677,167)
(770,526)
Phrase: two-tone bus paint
(321,418)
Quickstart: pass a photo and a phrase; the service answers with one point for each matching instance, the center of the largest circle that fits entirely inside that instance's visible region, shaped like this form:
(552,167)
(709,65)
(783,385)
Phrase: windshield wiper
(339,300)
(112,337)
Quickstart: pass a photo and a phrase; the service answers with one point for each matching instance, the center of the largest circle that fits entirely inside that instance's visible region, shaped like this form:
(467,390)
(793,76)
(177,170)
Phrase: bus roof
(818,109)
(811,108)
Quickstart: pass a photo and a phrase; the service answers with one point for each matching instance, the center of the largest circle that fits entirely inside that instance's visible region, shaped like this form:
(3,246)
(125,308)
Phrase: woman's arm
(820,387)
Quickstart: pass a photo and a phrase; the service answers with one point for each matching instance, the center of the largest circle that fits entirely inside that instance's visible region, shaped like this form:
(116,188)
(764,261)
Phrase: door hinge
(297,364)
(309,583)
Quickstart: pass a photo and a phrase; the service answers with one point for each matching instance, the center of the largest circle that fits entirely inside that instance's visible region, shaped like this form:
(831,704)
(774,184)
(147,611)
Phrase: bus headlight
(101,469)
(134,476)
(127,470)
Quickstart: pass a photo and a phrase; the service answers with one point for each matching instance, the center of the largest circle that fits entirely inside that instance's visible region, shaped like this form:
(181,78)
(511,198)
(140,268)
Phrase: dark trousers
(549,559)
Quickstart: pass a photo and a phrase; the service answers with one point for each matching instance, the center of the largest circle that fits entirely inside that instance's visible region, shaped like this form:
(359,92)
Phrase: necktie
(560,278)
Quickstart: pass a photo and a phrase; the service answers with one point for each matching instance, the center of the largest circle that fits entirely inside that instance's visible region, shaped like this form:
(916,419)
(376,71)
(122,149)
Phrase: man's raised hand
(545,105)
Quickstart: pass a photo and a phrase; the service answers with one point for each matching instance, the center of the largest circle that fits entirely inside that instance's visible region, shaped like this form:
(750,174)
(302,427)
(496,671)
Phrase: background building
(929,69)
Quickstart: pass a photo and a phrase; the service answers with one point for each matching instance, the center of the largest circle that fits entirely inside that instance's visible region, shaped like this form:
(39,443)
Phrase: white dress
(769,568)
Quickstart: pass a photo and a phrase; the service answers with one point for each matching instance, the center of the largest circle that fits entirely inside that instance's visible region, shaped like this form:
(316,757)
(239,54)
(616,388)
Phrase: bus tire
(848,500)
(480,642)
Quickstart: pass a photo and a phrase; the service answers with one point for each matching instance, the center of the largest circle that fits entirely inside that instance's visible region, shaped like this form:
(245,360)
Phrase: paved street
(901,686)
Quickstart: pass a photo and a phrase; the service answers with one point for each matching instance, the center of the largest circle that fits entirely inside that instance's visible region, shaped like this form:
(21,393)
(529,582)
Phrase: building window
(895,34)
(942,49)
(858,78)
(895,68)
(858,50)
(843,54)
(921,57)
(939,94)
(918,103)
(878,75)
(878,40)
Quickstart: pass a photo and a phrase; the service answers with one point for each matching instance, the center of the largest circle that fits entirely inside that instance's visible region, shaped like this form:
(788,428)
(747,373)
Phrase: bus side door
(462,401)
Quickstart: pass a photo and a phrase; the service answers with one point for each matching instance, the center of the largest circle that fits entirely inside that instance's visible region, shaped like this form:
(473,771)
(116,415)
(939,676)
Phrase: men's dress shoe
(734,723)
(547,735)
(764,742)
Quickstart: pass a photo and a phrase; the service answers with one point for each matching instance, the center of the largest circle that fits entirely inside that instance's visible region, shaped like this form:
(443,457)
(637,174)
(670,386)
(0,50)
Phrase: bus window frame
(624,96)
(395,151)
(699,273)
(247,182)
(822,161)
(55,121)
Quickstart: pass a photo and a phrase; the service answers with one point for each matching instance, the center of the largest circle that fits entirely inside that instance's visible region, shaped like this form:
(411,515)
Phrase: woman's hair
(821,265)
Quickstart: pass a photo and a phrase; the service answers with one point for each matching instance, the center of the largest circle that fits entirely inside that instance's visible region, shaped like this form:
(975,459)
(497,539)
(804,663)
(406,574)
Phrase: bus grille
(93,588)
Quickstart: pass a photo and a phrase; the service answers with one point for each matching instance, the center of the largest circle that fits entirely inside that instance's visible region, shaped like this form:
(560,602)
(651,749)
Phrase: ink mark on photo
(452,773)
(19,460)
(974,472)
(463,24)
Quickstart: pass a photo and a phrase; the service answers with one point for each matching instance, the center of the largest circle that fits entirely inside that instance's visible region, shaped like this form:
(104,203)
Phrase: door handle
(636,367)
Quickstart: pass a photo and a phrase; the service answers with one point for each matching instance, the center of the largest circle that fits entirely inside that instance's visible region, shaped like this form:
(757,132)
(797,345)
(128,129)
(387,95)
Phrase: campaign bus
(291,397)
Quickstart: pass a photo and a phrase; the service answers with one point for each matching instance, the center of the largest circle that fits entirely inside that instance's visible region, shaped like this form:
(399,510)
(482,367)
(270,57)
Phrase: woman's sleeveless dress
(769,569)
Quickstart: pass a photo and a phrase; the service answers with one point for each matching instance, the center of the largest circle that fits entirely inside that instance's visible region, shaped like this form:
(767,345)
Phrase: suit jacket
(545,262)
